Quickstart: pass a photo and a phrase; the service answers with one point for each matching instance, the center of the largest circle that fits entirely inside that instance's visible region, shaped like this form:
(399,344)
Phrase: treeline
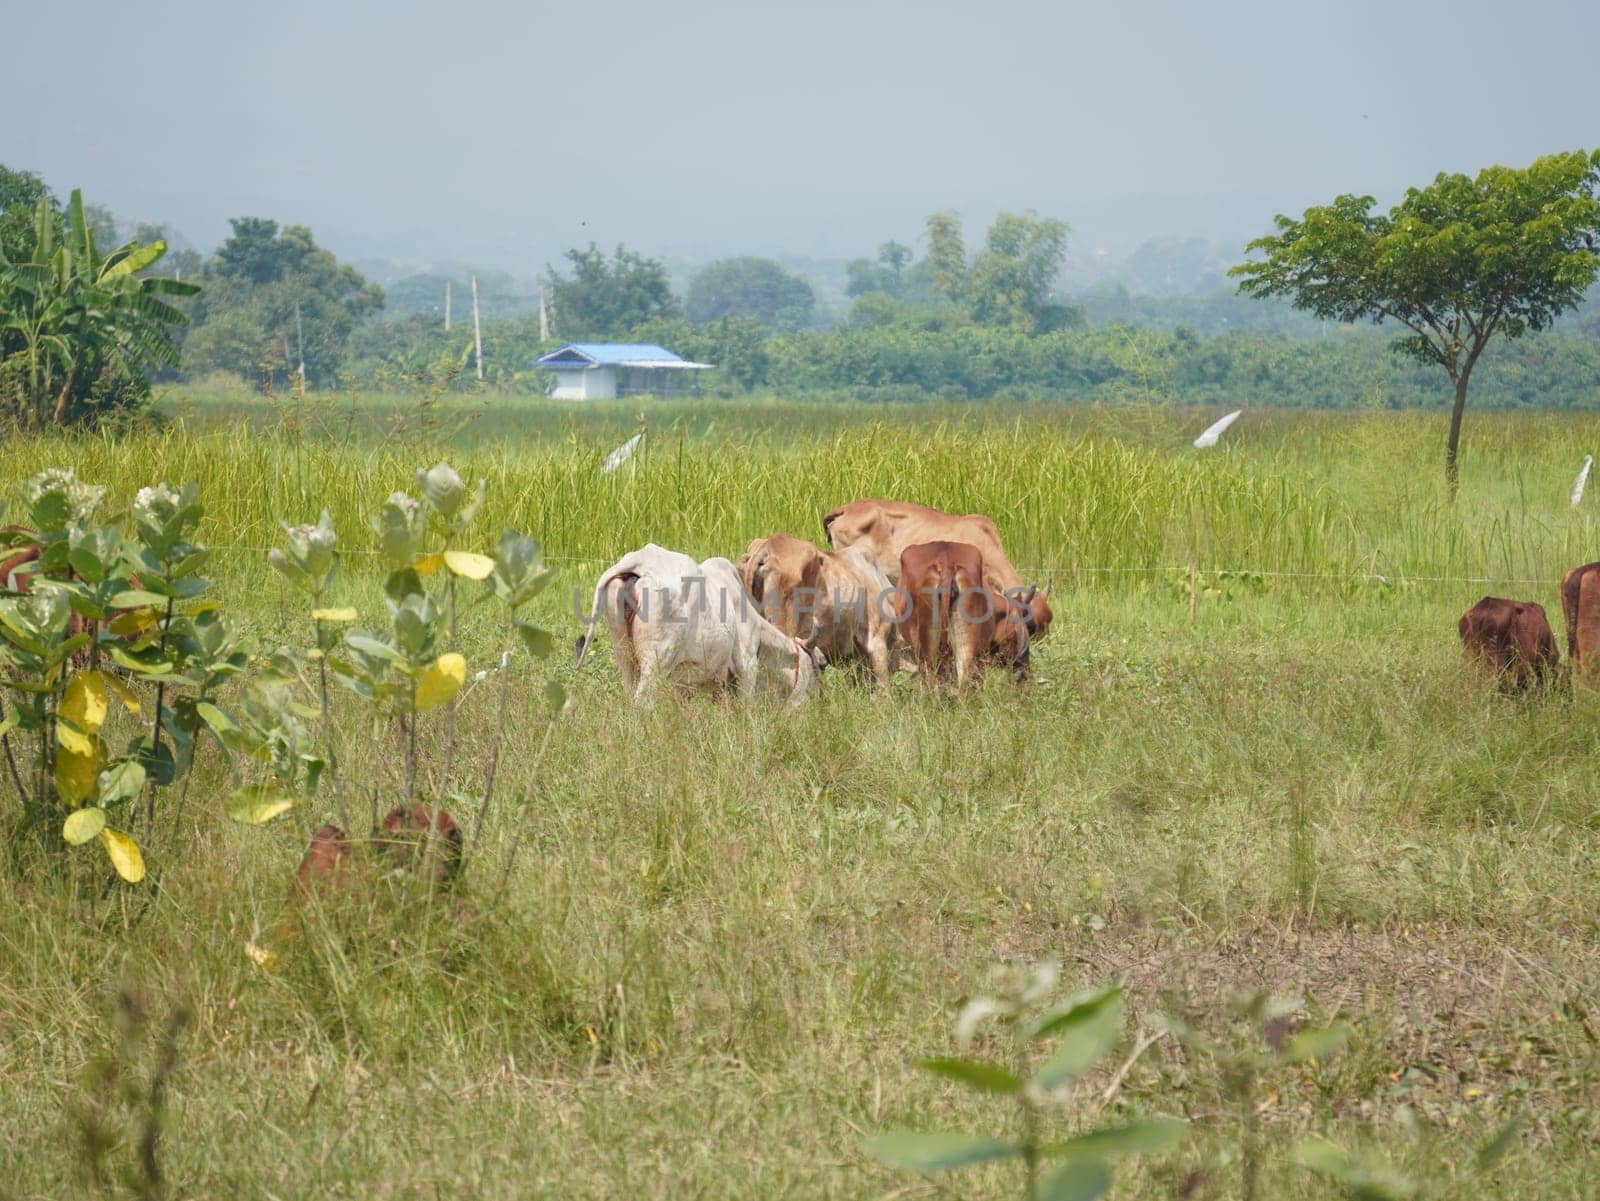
(274,308)
(1342,368)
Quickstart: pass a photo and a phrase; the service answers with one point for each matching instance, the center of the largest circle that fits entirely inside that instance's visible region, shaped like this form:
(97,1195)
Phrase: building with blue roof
(606,370)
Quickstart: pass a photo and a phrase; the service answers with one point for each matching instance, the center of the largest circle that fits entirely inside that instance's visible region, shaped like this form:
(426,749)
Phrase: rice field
(728,932)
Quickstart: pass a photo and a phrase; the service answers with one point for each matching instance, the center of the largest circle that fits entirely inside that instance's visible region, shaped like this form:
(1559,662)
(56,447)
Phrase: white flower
(81,499)
(155,505)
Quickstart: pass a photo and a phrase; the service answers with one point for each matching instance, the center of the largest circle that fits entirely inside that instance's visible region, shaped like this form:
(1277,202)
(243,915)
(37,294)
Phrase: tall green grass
(1316,502)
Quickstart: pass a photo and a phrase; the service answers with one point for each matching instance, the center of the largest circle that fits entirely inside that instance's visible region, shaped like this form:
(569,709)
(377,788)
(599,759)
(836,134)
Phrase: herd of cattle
(1513,640)
(898,582)
(900,585)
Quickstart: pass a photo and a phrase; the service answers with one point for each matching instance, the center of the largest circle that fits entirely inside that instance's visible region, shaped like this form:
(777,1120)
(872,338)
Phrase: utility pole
(477,330)
(544,319)
(300,335)
(446,306)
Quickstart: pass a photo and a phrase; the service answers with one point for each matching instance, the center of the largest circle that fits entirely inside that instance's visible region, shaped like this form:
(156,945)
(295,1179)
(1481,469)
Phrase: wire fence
(1054,570)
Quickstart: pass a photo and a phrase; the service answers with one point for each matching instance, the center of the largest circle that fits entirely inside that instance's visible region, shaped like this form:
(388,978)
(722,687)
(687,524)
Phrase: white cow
(690,625)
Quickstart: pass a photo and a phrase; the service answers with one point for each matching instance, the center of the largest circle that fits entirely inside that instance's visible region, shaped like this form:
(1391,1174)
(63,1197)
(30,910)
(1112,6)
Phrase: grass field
(730,930)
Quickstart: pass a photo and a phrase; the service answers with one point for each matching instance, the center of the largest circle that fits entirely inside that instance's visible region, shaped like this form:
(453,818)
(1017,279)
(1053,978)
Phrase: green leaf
(915,1152)
(214,717)
(372,648)
(1496,1147)
(1315,1044)
(83,824)
(86,563)
(985,1077)
(555,696)
(1137,1138)
(258,804)
(538,641)
(1368,1179)
(138,598)
(1087,1030)
(121,782)
(1076,1180)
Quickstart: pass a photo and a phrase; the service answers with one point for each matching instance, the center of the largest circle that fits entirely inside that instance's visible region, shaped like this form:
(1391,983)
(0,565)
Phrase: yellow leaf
(125,625)
(123,693)
(83,824)
(474,567)
(440,682)
(73,740)
(333,615)
(84,701)
(75,776)
(264,958)
(428,564)
(124,853)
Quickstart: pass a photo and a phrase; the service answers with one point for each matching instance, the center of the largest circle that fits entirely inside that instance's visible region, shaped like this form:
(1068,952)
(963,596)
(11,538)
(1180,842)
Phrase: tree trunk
(1451,473)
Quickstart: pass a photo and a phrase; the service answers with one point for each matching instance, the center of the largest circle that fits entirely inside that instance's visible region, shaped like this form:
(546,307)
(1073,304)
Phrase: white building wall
(595,383)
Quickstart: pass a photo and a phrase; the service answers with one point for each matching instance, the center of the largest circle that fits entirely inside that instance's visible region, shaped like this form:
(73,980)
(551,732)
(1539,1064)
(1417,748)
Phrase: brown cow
(329,871)
(945,612)
(1580,606)
(884,528)
(835,601)
(1512,639)
(325,867)
(422,839)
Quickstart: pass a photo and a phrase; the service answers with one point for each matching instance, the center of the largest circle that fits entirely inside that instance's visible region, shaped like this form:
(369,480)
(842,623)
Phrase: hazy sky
(507,131)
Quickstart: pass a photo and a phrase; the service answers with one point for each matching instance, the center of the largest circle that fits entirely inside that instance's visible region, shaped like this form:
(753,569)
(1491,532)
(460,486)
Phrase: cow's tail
(626,599)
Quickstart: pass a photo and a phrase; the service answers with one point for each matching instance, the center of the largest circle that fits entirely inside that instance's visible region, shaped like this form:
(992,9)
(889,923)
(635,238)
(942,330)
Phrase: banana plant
(79,313)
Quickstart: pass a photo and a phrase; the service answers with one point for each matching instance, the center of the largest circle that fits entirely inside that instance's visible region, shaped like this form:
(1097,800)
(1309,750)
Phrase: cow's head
(1039,614)
(1013,635)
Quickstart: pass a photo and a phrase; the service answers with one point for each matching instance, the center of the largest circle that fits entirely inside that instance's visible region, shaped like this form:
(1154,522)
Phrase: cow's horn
(1033,590)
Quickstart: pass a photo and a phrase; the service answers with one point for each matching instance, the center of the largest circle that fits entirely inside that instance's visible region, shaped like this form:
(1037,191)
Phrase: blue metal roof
(609,354)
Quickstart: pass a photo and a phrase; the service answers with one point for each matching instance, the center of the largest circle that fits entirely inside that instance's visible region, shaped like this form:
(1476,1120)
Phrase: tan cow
(1580,605)
(882,529)
(833,600)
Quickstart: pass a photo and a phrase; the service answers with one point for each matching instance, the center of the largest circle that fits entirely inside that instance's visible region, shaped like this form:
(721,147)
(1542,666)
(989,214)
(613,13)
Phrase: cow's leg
(623,650)
(875,646)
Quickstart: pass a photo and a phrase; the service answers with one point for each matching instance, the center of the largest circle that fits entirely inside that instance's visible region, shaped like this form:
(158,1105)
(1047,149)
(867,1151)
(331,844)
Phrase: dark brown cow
(945,612)
(883,529)
(423,839)
(330,870)
(1512,639)
(1580,606)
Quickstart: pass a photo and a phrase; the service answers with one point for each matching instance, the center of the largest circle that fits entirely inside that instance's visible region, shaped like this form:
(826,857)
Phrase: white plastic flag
(621,455)
(1214,430)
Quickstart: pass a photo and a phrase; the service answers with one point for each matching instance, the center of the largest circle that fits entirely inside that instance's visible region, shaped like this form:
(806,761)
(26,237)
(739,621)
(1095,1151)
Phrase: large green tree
(1012,281)
(271,293)
(608,297)
(81,330)
(1455,264)
(750,287)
